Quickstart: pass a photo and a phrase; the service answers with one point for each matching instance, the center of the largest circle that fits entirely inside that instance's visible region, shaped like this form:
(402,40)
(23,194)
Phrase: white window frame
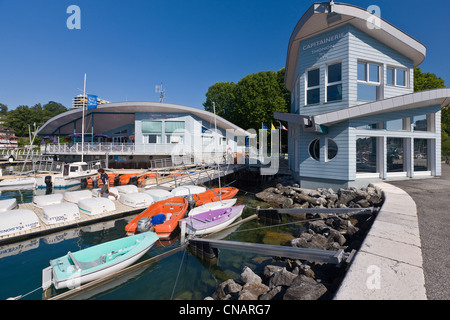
(332,83)
(311,88)
(394,68)
(367,80)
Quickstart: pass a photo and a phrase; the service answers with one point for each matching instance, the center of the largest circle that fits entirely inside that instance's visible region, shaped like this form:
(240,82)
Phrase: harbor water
(183,275)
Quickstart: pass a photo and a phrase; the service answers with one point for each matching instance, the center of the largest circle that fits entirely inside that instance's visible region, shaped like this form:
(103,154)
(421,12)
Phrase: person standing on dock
(105,187)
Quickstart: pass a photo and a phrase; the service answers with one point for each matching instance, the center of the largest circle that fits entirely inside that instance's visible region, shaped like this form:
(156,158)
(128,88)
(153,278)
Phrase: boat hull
(211,221)
(73,277)
(215,194)
(213,206)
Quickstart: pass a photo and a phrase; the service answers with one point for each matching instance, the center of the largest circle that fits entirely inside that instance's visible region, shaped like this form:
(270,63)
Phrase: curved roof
(107,117)
(326,16)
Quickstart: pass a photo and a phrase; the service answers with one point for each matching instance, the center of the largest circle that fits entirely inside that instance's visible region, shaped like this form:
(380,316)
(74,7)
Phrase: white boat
(13,221)
(96,193)
(70,175)
(75,196)
(20,183)
(213,206)
(136,199)
(159,194)
(186,190)
(94,206)
(60,212)
(48,199)
(8,204)
(129,188)
(74,269)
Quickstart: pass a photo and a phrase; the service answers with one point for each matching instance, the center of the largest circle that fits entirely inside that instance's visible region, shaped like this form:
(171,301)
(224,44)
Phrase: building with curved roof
(139,131)
(354,114)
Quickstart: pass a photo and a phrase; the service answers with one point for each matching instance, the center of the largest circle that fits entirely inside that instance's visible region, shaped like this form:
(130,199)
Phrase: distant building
(79,100)
(8,139)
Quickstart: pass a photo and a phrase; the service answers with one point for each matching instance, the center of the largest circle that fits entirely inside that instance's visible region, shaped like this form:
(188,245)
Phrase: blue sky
(128,47)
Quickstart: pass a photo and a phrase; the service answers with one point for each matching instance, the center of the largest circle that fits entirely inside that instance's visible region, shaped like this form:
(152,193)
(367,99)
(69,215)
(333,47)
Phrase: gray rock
(256,289)
(274,294)
(228,287)
(248,276)
(281,278)
(247,295)
(304,288)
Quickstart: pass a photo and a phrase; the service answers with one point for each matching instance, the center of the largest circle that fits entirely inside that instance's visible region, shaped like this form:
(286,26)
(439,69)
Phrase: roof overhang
(320,122)
(321,17)
(112,115)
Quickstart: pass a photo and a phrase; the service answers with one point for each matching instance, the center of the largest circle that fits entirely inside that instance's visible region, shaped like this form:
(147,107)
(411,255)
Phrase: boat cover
(75,196)
(13,221)
(136,199)
(60,212)
(48,199)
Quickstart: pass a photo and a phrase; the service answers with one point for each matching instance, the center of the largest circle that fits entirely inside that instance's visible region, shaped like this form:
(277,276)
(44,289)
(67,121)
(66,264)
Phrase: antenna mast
(159,88)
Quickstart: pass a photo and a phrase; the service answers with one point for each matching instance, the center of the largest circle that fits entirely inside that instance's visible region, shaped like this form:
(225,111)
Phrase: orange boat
(215,195)
(162,217)
(125,178)
(146,176)
(111,177)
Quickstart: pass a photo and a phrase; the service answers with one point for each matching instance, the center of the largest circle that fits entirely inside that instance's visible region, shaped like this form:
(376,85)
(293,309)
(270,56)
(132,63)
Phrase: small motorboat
(18,183)
(161,217)
(13,221)
(127,189)
(186,190)
(70,175)
(213,206)
(75,196)
(136,199)
(8,204)
(93,206)
(48,199)
(215,194)
(210,221)
(113,190)
(74,269)
(159,194)
(127,178)
(60,212)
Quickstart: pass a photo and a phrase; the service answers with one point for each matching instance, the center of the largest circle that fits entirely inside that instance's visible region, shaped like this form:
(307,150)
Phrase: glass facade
(366,155)
(395,155)
(421,162)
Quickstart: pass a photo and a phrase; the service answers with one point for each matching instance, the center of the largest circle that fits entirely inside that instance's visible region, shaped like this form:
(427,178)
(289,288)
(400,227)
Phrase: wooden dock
(121,211)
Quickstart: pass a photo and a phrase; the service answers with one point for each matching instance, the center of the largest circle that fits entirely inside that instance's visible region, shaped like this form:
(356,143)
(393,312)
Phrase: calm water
(21,263)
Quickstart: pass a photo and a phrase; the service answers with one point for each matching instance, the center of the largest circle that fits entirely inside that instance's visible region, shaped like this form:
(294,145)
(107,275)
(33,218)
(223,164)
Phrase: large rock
(229,287)
(281,278)
(255,288)
(248,276)
(304,288)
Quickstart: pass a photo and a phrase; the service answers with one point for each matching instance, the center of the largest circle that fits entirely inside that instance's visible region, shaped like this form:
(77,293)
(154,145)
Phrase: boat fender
(143,225)
(158,219)
(48,181)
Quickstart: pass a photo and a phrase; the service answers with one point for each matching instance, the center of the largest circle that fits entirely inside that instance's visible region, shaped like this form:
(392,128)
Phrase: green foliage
(19,118)
(251,101)
(426,80)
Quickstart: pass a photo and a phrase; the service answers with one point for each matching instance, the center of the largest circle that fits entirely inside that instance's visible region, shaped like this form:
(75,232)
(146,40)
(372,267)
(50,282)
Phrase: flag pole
(82,124)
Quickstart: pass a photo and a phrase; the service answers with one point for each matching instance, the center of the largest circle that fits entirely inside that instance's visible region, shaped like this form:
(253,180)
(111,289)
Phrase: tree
(3,109)
(426,80)
(252,101)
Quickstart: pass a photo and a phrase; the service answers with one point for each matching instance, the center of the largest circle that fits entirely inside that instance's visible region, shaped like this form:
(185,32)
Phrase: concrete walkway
(389,264)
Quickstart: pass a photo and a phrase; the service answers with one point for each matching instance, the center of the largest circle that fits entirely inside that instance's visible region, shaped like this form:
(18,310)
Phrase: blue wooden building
(354,116)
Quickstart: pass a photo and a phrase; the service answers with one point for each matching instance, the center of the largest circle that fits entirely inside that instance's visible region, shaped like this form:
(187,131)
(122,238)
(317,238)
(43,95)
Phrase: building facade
(354,115)
(142,131)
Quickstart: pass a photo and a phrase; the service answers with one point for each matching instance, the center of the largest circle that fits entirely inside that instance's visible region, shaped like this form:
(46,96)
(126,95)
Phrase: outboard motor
(143,225)
(191,201)
(48,182)
(133,180)
(94,181)
(116,181)
(83,183)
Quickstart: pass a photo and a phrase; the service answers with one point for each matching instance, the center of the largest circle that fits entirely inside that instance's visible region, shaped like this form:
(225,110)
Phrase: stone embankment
(289,279)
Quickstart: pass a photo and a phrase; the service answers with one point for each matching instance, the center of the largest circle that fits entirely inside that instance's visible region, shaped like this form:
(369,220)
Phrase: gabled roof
(113,115)
(321,17)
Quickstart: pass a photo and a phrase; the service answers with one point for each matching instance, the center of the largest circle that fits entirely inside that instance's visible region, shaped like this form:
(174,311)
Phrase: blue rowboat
(74,269)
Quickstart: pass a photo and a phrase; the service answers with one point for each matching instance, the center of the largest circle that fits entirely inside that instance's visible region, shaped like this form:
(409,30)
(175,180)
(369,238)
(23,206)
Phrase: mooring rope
(24,295)
(178,275)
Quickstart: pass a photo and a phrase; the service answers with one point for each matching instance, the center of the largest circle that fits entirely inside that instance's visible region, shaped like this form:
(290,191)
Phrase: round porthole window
(332,149)
(314,149)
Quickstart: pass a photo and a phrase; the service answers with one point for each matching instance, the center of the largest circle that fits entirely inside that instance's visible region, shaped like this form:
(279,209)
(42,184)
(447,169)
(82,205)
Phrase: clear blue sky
(128,47)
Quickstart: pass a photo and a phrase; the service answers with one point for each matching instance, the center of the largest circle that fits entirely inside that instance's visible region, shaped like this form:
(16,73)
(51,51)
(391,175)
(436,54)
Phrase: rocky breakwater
(296,197)
(287,279)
